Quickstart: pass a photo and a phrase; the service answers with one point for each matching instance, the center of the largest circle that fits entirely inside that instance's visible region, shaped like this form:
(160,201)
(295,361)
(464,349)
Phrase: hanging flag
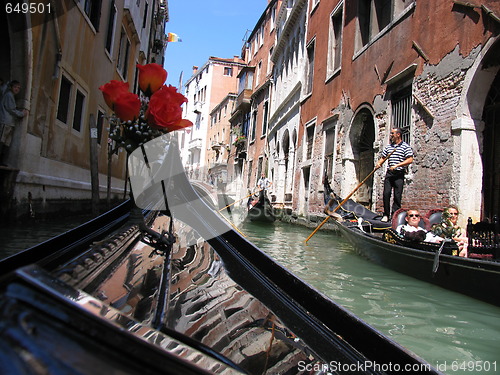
(171,37)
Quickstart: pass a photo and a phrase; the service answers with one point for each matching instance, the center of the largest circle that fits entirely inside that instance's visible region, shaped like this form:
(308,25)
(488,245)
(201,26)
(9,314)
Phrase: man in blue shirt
(401,158)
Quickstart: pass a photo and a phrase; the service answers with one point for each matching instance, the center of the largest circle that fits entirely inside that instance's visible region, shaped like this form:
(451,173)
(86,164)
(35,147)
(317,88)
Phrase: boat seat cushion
(434,216)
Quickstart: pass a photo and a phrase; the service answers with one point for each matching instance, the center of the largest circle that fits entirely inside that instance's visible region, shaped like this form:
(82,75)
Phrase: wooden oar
(234,226)
(435,264)
(349,196)
(239,200)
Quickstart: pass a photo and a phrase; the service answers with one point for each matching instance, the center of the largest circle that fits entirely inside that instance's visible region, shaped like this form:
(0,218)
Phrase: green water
(454,333)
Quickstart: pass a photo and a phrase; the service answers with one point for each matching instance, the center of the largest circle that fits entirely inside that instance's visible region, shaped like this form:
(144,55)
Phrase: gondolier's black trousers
(393,180)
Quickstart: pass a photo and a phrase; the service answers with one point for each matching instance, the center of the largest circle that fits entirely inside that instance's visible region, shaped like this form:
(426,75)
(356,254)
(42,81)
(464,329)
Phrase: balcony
(197,107)
(243,100)
(216,146)
(195,143)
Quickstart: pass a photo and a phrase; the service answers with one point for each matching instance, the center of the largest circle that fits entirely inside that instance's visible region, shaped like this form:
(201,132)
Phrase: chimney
(195,69)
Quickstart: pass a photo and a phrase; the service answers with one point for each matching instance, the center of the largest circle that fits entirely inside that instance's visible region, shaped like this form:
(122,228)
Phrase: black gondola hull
(476,278)
(262,210)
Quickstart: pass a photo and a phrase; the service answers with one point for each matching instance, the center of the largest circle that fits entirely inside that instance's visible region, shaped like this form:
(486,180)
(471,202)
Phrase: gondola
(430,262)
(170,288)
(261,209)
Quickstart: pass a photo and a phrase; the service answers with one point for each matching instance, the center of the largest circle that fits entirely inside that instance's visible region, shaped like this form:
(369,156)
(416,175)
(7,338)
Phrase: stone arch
(473,122)
(359,155)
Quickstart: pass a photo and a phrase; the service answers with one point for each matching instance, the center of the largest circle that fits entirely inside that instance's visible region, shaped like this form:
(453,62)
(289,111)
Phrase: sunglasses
(453,213)
(414,215)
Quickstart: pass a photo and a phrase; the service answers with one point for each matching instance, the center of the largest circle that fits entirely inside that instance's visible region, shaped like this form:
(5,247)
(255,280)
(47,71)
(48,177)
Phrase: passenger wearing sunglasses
(413,231)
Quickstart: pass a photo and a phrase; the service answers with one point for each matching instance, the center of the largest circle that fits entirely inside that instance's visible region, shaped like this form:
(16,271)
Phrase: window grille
(401,112)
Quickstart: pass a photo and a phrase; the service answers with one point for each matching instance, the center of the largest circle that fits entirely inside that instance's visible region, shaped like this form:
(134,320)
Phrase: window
(228,71)
(64,97)
(329,129)
(264,118)
(123,54)
(246,82)
(335,41)
(246,123)
(269,61)
(310,69)
(310,141)
(253,126)
(401,112)
(259,167)
(92,9)
(259,68)
(111,27)
(78,112)
(382,15)
(375,15)
(71,105)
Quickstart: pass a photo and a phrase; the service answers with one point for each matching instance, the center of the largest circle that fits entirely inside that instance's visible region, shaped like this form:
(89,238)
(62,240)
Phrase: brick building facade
(425,66)
(340,74)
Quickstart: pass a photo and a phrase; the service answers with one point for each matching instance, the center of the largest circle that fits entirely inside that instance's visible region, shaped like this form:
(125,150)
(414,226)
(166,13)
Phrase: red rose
(127,106)
(151,78)
(165,112)
(112,90)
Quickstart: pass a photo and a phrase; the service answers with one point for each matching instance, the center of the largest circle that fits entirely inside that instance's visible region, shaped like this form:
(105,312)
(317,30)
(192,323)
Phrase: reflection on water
(447,329)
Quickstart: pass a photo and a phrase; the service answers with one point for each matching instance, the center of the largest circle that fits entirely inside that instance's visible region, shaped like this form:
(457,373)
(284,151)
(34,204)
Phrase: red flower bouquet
(139,121)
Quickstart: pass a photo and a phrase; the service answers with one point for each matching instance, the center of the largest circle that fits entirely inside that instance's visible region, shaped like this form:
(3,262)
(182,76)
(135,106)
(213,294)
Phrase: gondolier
(400,157)
(264,183)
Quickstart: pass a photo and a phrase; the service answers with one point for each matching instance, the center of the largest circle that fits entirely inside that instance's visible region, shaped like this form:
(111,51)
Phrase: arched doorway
(491,152)
(285,144)
(4,47)
(362,137)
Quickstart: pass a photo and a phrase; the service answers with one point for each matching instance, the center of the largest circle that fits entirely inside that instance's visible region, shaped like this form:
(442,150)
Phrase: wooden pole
(349,196)
(94,167)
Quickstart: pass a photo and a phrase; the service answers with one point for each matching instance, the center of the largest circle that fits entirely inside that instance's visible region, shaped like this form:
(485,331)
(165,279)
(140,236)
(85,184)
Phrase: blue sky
(207,28)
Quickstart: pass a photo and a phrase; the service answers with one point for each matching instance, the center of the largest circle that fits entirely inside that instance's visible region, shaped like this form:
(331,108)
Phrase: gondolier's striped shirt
(403,152)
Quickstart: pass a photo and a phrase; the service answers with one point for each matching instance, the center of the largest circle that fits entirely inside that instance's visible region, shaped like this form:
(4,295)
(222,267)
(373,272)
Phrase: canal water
(455,333)
(26,234)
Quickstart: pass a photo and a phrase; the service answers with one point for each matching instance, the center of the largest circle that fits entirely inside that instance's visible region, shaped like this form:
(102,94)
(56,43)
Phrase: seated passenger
(448,228)
(412,231)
